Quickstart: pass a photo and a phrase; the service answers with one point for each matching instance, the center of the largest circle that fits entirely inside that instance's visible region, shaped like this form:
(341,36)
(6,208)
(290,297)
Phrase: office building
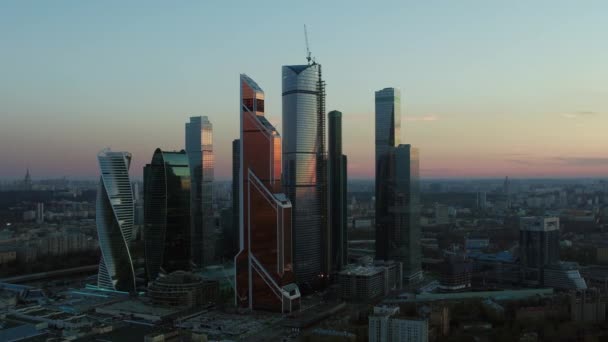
(538,245)
(167,231)
(236,164)
(366,282)
(114,220)
(563,276)
(264,265)
(387,325)
(397,189)
(304,171)
(338,239)
(199,147)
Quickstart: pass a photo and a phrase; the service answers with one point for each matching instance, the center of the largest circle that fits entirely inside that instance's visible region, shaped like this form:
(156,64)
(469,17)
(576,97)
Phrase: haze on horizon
(488,89)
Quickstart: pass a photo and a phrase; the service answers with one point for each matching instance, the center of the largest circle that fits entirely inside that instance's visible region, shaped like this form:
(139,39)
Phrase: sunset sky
(489,88)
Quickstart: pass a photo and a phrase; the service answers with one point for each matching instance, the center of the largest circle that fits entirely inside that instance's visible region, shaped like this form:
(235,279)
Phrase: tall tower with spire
(27,181)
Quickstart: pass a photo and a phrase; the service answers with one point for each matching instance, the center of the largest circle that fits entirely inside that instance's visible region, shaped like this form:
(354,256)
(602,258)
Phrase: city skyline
(532,105)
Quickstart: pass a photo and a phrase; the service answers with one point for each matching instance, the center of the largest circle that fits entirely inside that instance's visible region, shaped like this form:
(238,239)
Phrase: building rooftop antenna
(308,58)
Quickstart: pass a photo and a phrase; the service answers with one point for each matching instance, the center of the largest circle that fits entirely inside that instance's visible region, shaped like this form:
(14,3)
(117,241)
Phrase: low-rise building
(386,325)
(362,282)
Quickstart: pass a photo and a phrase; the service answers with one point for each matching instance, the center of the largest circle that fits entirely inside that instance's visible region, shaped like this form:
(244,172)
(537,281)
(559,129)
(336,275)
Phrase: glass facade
(199,147)
(167,231)
(264,268)
(233,236)
(337,188)
(114,220)
(404,239)
(397,189)
(304,169)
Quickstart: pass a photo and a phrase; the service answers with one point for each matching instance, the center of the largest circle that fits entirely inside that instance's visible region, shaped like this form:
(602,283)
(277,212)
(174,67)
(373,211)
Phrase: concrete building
(563,276)
(587,306)
(368,282)
(385,325)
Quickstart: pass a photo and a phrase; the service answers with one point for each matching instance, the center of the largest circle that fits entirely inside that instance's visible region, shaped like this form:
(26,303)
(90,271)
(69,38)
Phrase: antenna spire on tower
(308,58)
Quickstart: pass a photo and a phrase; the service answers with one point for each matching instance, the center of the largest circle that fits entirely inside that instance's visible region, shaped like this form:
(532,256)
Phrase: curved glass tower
(264,269)
(114,219)
(304,176)
(167,213)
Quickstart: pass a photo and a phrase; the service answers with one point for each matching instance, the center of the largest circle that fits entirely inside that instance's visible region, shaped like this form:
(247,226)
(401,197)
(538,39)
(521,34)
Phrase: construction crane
(308,58)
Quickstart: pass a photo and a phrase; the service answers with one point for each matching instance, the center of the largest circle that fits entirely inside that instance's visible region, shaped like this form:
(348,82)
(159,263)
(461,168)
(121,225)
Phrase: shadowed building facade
(114,219)
(199,147)
(397,189)
(304,170)
(337,189)
(264,267)
(167,231)
(236,212)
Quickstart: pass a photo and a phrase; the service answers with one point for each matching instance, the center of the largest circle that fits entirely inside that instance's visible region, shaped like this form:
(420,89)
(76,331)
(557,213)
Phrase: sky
(489,88)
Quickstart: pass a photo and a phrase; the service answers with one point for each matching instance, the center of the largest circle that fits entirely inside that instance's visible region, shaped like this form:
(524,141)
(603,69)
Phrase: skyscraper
(304,171)
(236,164)
(388,133)
(404,240)
(199,147)
(167,213)
(338,240)
(397,189)
(264,268)
(114,220)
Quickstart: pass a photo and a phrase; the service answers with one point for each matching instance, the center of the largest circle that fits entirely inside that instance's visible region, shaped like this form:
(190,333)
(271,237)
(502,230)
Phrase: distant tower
(538,245)
(27,181)
(506,189)
(236,166)
(397,189)
(114,219)
(304,170)
(39,213)
(167,213)
(264,265)
(337,184)
(199,147)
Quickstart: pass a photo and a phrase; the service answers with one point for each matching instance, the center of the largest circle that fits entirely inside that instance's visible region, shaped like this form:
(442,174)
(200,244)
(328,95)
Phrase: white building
(386,326)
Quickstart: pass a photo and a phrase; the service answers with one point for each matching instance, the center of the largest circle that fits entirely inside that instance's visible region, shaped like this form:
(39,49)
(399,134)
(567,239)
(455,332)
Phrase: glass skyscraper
(236,164)
(304,171)
(199,147)
(404,239)
(337,189)
(114,220)
(397,189)
(167,232)
(388,133)
(264,265)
